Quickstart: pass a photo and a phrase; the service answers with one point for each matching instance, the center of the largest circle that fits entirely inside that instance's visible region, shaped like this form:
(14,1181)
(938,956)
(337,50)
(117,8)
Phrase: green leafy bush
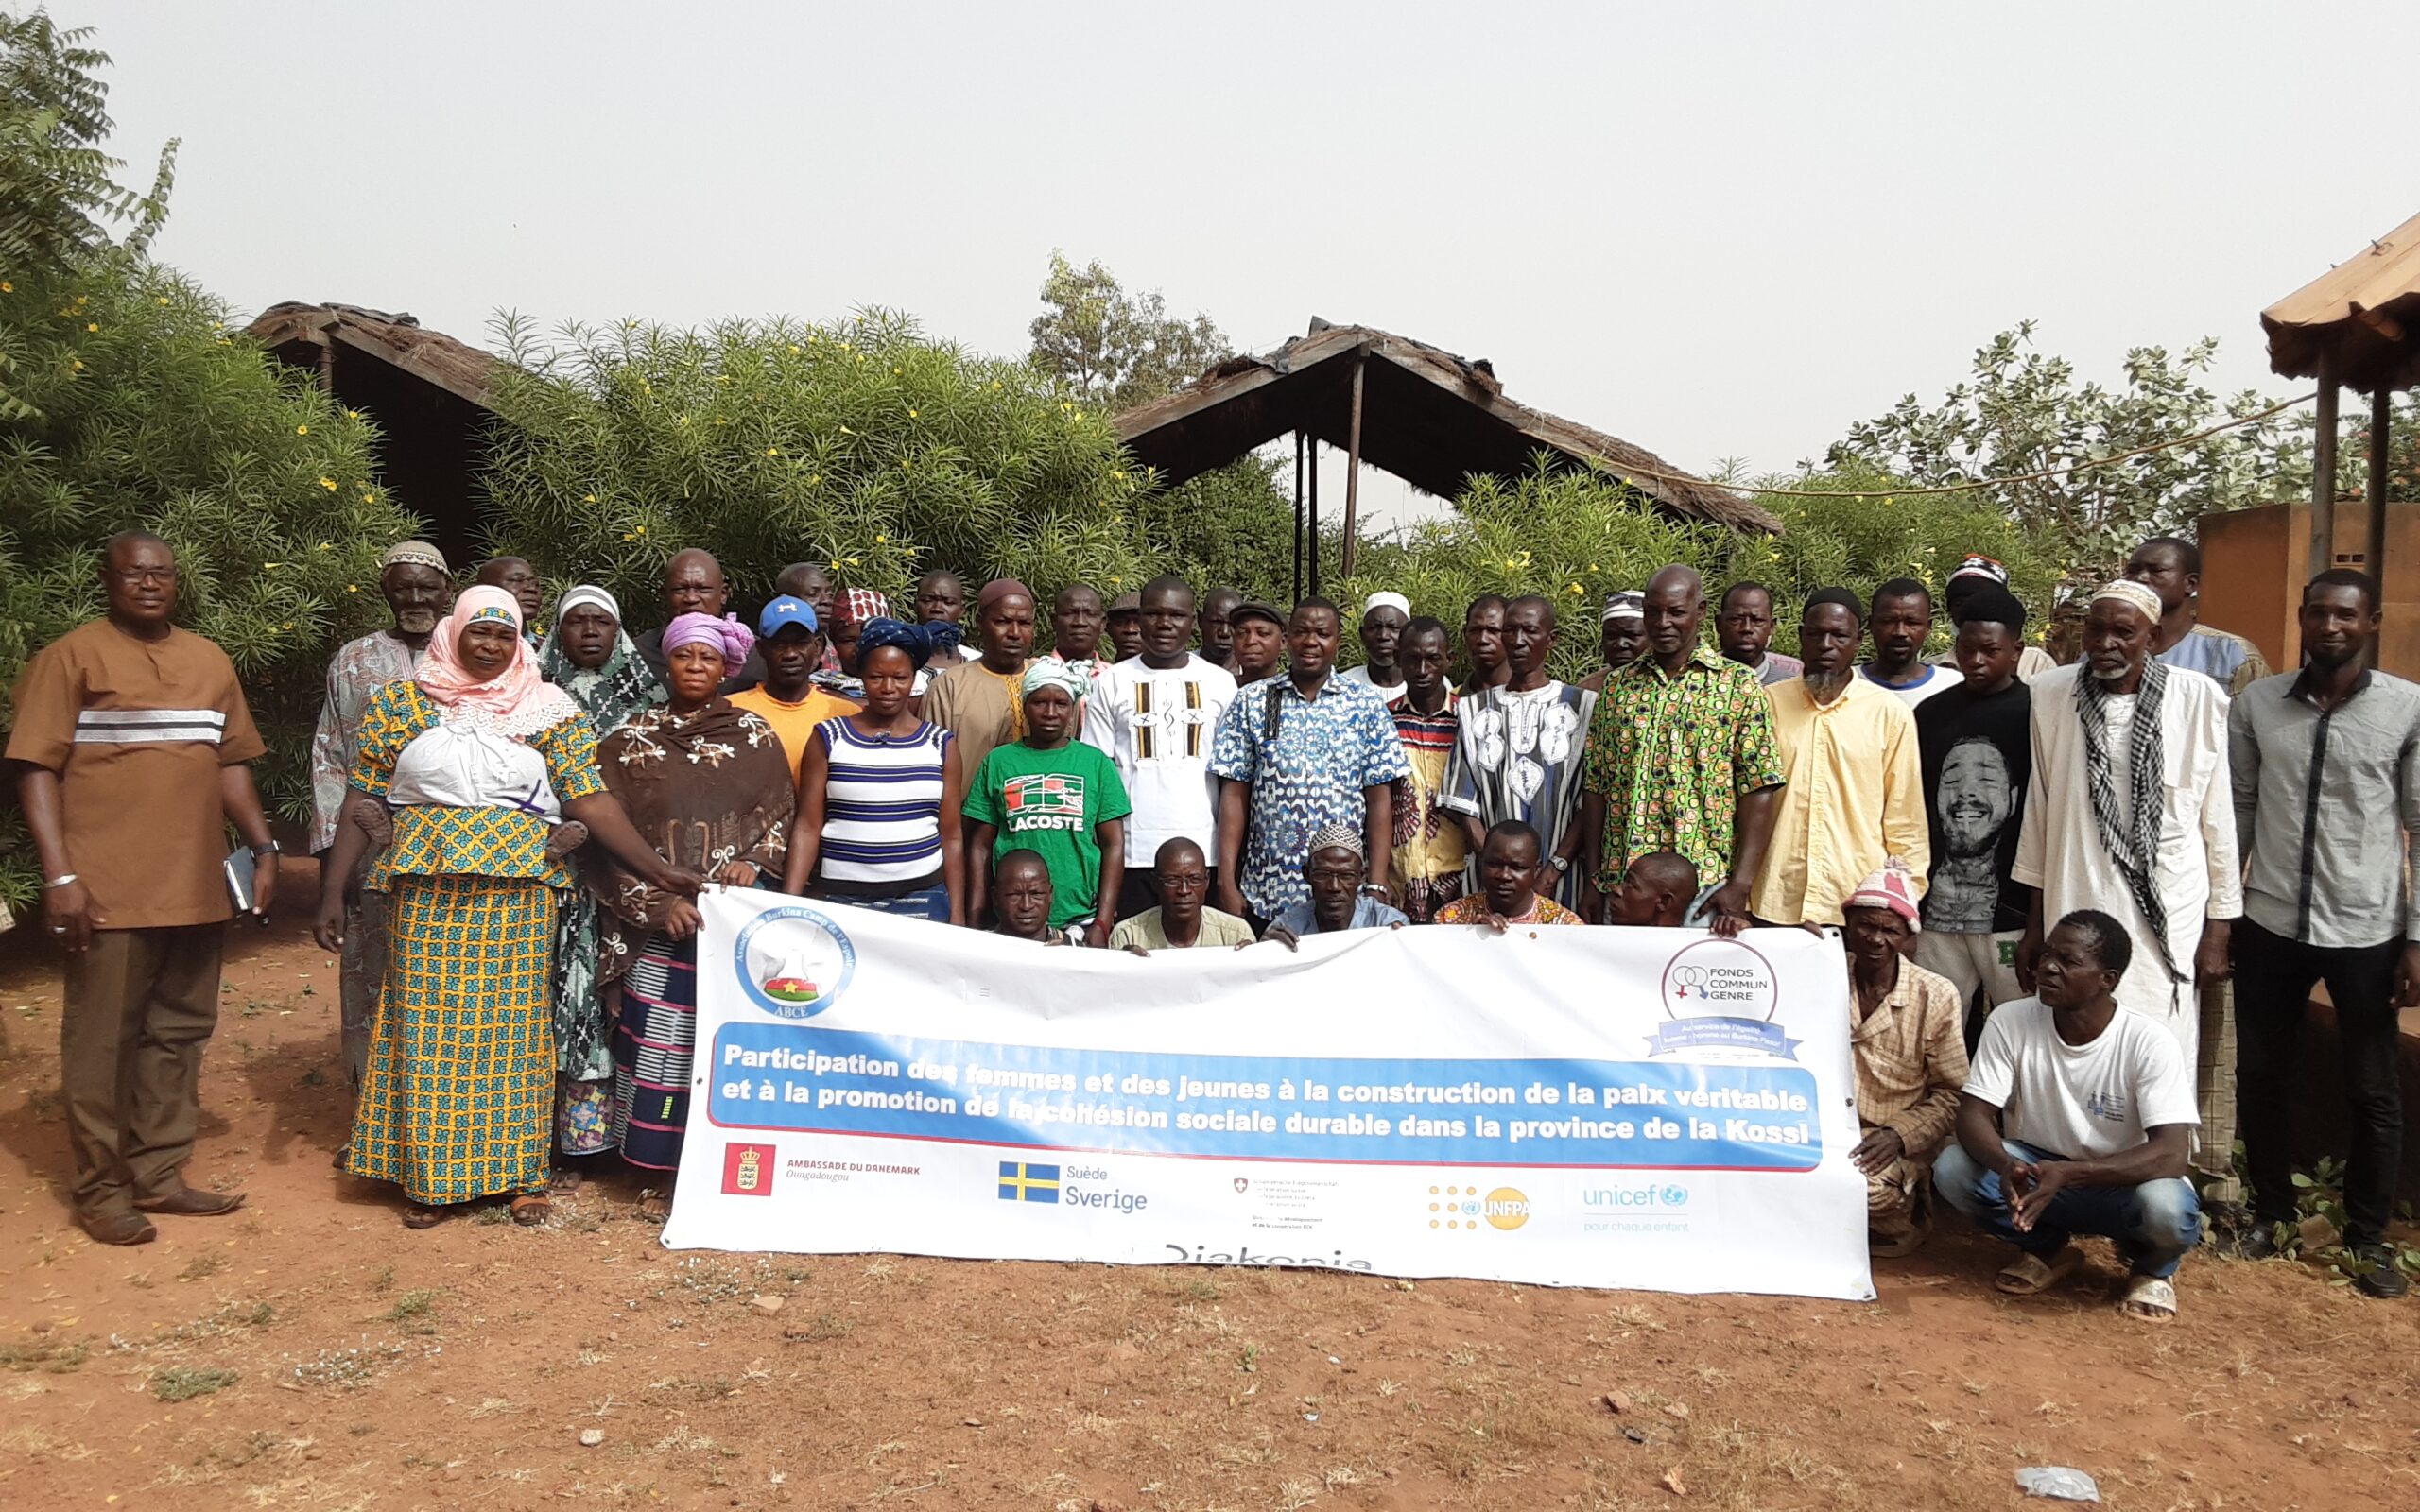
(1578,537)
(861,443)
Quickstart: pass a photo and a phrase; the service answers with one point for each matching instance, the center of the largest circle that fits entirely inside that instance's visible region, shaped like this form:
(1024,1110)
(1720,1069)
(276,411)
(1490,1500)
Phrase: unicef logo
(793,962)
(1675,1195)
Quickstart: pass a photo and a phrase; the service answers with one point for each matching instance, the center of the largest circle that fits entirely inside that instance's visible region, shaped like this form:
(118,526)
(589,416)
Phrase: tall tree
(129,403)
(1117,350)
(2025,412)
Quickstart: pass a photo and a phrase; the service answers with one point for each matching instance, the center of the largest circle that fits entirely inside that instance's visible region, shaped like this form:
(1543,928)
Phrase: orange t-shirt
(137,732)
(793,722)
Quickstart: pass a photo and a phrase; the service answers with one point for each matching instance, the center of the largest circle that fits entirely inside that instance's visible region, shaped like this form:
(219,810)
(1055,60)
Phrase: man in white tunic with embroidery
(2130,812)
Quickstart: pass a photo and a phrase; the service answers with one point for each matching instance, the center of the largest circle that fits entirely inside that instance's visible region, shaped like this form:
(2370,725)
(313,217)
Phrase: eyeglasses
(144,575)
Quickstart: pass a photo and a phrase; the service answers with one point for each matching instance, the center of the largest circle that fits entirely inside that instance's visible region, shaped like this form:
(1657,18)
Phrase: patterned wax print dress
(456,1102)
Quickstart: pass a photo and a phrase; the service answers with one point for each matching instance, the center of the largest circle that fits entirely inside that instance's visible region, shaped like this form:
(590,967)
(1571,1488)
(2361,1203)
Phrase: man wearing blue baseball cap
(790,639)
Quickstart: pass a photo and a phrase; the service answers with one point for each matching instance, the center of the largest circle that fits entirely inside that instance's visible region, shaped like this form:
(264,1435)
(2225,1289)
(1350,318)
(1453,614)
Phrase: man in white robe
(2171,878)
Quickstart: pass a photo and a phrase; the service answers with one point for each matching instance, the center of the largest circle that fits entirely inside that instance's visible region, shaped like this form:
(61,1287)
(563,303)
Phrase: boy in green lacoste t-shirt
(1058,798)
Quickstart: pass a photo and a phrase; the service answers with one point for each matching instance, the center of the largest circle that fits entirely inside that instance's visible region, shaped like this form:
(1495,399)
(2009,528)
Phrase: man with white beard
(2132,812)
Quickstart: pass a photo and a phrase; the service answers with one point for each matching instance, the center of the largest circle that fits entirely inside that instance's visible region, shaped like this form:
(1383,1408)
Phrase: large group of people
(2042,874)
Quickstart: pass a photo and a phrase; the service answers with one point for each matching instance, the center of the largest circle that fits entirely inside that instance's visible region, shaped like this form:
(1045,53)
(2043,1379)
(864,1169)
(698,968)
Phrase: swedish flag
(1020,1182)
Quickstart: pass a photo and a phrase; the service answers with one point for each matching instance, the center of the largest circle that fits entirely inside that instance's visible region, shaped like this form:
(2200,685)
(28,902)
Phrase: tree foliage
(57,196)
(139,409)
(1578,537)
(1871,534)
(1571,536)
(2026,412)
(861,443)
(1115,350)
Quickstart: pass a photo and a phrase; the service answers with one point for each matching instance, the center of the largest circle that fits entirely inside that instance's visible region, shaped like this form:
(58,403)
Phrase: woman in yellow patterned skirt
(480,761)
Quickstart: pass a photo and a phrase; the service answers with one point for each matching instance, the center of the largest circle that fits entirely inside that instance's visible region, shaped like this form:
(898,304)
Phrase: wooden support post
(2373,548)
(1311,532)
(2322,474)
(1352,467)
(1298,517)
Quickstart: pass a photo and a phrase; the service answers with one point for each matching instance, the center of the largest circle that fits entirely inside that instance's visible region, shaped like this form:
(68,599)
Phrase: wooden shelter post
(2374,543)
(2322,472)
(1311,534)
(1353,465)
(1298,515)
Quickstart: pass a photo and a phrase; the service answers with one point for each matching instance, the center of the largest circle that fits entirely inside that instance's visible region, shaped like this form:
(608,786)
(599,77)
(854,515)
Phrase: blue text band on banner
(1514,1112)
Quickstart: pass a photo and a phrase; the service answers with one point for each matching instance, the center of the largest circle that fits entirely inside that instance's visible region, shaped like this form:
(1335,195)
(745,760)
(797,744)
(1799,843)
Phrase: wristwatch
(1560,864)
(268,848)
(1372,889)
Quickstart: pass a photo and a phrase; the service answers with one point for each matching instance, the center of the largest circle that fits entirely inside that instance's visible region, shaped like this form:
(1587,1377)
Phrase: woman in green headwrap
(591,657)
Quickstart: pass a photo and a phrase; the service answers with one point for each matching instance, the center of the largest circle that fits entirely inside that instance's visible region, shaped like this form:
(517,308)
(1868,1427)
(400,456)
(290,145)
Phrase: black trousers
(2272,983)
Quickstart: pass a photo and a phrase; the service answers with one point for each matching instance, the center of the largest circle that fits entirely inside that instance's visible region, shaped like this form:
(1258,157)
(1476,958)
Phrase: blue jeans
(932,902)
(2154,1224)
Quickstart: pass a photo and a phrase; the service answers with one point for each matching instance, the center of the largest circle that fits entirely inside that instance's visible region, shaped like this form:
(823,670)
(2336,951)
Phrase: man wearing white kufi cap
(412,578)
(1384,616)
(2132,812)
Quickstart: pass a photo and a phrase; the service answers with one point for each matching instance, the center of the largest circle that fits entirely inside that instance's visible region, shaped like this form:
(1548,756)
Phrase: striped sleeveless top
(882,805)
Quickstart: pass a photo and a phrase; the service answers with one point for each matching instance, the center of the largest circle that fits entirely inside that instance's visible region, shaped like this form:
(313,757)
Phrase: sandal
(419,1215)
(531,1208)
(2149,1299)
(655,1206)
(2029,1276)
(564,1180)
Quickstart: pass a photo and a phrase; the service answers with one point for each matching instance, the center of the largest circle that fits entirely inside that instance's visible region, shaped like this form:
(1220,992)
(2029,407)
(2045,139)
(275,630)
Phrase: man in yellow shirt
(1852,793)
(791,643)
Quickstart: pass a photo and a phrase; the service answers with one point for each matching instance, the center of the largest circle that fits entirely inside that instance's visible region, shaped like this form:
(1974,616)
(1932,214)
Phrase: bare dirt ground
(311,1352)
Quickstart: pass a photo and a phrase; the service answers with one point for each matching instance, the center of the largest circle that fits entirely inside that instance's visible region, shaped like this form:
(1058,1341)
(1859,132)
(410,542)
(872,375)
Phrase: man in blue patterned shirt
(1297,752)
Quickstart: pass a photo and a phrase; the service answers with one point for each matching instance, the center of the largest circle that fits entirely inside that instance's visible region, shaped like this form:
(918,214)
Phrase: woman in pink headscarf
(490,776)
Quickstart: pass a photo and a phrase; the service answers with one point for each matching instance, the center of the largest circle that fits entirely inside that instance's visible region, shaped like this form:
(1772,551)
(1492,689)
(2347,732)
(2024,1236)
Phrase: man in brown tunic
(130,743)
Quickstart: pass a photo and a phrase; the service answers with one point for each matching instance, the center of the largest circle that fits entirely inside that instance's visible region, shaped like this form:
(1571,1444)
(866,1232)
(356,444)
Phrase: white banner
(1650,1108)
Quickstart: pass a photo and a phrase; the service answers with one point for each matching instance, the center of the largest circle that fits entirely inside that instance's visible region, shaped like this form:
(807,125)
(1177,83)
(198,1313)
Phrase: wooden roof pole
(1298,521)
(1312,533)
(2322,472)
(1353,465)
(2373,548)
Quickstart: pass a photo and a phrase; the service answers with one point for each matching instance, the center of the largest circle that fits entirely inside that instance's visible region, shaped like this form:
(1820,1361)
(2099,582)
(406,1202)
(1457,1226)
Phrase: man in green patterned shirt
(1680,756)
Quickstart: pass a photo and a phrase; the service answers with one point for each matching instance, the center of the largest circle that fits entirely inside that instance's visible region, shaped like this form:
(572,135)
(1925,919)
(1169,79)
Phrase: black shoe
(2258,1242)
(2383,1279)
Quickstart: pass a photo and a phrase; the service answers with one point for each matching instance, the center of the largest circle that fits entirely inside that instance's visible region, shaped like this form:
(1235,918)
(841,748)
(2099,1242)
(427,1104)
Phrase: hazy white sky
(1717,229)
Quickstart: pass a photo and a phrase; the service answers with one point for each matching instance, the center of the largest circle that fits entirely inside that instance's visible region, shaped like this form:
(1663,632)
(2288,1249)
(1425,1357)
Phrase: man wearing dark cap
(1976,756)
(1258,641)
(1126,626)
(1973,574)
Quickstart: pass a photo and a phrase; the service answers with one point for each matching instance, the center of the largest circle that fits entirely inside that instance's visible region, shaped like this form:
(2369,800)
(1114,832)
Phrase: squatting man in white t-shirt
(2077,1119)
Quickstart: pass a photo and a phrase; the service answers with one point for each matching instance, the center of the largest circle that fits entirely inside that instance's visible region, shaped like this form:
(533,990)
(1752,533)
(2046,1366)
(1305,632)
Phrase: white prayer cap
(1387,599)
(2134,595)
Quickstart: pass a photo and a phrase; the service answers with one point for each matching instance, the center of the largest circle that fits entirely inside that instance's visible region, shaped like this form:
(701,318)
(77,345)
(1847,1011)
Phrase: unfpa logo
(1464,1209)
(1506,1208)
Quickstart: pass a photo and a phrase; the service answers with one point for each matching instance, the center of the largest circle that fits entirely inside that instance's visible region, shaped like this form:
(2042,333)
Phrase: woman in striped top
(878,791)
